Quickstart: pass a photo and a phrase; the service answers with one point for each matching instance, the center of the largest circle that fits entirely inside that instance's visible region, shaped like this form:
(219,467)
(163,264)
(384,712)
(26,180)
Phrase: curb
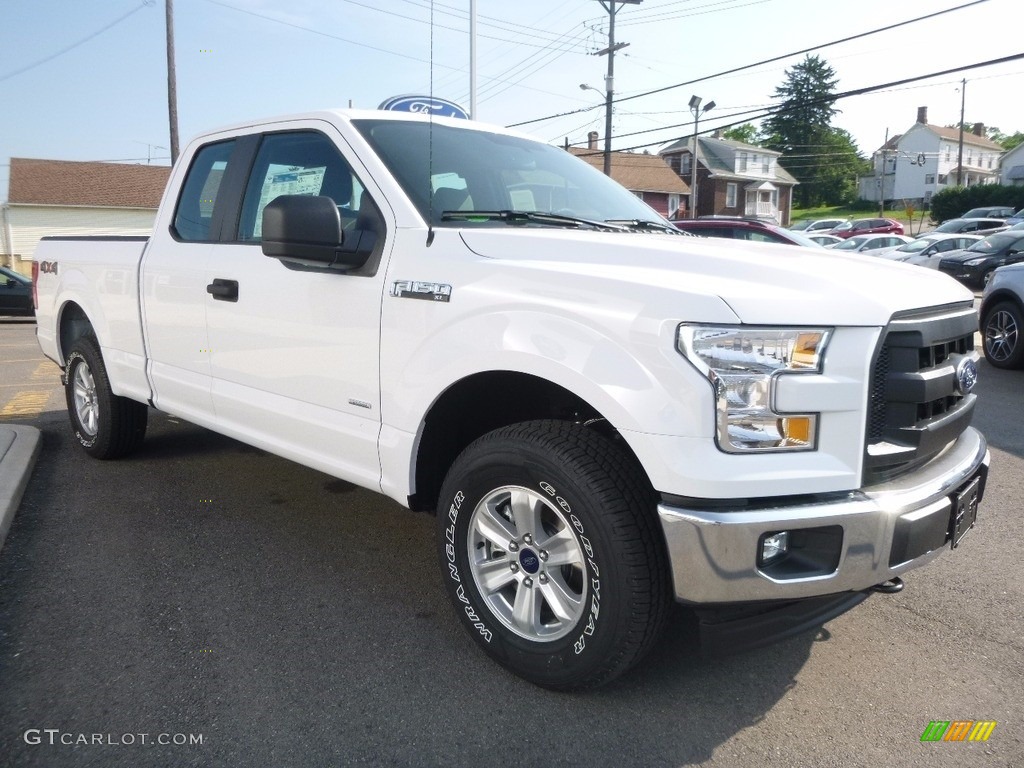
(19,449)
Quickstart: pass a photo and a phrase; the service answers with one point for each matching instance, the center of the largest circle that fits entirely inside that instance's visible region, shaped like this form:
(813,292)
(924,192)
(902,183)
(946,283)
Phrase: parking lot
(270,615)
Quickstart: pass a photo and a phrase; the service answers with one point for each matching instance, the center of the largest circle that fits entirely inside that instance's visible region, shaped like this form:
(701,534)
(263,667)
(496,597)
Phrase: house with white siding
(1011,171)
(61,197)
(913,166)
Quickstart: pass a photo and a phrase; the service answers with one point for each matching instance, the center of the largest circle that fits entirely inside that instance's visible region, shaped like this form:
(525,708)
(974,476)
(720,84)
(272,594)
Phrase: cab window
(194,214)
(299,163)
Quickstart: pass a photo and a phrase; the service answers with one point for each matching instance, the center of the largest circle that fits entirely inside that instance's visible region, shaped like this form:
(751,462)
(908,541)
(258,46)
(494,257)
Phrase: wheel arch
(486,401)
(998,297)
(72,324)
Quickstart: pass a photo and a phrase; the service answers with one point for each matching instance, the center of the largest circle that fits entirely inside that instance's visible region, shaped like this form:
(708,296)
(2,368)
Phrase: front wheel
(1001,330)
(107,426)
(551,553)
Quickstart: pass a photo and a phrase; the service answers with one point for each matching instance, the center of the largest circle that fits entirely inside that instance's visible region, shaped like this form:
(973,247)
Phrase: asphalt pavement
(204,603)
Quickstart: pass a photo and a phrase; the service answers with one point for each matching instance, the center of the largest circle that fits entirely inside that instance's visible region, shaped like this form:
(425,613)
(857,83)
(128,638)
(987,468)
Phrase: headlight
(975,262)
(743,365)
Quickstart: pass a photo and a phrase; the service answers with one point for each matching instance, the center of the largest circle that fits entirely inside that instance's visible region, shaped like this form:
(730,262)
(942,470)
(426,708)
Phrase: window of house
(684,164)
(766,164)
(639,194)
(730,195)
(970,156)
(949,151)
(198,199)
(742,162)
(929,178)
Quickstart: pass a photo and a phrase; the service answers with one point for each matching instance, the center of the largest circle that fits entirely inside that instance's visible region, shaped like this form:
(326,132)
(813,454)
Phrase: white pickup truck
(604,413)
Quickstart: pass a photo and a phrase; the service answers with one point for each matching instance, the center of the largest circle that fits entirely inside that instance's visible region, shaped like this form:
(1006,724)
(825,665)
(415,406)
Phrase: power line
(72,47)
(833,97)
(764,61)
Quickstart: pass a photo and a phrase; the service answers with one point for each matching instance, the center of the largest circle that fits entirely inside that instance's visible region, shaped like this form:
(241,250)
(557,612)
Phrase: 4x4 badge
(414,289)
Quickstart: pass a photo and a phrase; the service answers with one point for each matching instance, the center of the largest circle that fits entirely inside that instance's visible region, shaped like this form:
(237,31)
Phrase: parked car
(824,240)
(1017,218)
(744,229)
(812,225)
(1002,317)
(15,293)
(870,243)
(980,226)
(974,266)
(924,250)
(867,227)
(989,212)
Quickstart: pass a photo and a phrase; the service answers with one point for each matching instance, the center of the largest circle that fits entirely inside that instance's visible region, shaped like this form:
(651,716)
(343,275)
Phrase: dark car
(1002,318)
(965,225)
(974,266)
(989,212)
(744,229)
(15,293)
(867,227)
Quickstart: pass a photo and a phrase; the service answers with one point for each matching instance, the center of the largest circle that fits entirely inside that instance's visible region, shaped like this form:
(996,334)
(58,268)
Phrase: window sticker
(287,180)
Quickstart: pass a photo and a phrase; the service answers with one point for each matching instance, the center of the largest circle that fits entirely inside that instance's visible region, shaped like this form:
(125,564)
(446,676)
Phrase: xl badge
(414,289)
(966,375)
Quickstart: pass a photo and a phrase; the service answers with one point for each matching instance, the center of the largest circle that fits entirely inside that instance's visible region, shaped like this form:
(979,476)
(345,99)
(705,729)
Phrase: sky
(87,80)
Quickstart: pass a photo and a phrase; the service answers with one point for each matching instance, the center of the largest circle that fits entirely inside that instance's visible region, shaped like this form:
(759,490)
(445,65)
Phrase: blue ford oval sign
(424,105)
(966,375)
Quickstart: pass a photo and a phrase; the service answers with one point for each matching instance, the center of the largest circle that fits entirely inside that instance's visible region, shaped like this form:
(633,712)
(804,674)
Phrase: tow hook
(890,587)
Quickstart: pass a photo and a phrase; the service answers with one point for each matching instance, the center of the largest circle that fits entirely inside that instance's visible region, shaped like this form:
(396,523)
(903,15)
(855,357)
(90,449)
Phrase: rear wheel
(107,426)
(1002,335)
(551,553)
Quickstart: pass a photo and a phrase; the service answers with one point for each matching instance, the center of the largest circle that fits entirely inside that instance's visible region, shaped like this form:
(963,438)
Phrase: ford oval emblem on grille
(966,375)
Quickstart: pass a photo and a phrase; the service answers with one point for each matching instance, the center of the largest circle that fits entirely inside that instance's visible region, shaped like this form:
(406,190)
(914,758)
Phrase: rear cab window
(197,203)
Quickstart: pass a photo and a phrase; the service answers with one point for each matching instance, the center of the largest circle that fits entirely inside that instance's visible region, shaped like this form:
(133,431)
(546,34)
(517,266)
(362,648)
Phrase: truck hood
(761,283)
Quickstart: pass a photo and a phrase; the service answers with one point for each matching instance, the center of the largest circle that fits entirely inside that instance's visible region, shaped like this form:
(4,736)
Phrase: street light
(697,111)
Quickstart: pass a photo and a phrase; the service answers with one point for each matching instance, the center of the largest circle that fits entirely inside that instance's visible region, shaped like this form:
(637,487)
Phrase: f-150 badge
(414,289)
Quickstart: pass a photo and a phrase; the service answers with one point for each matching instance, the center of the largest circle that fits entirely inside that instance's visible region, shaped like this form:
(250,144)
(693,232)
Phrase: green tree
(800,128)
(747,133)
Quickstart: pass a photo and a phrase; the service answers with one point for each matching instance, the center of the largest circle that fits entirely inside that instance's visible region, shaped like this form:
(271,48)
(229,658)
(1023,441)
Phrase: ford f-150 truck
(604,414)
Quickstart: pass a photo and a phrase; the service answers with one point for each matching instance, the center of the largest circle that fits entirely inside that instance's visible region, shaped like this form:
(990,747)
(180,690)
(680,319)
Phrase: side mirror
(11,282)
(306,231)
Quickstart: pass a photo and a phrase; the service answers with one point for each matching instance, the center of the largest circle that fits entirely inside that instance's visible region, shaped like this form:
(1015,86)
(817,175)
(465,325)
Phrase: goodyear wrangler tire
(551,553)
(105,425)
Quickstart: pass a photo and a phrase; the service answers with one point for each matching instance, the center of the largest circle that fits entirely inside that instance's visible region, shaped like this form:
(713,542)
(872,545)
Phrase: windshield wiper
(524,217)
(644,225)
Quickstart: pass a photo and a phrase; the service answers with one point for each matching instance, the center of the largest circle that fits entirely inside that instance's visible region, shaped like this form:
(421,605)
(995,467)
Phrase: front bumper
(875,534)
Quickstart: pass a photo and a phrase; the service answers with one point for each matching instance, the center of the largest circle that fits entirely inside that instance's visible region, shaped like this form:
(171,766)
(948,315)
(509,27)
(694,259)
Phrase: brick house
(61,197)
(734,179)
(646,176)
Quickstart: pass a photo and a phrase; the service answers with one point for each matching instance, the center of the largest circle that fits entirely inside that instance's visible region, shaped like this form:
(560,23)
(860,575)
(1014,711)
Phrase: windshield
(442,168)
(850,244)
(914,246)
(804,239)
(843,227)
(953,225)
(994,243)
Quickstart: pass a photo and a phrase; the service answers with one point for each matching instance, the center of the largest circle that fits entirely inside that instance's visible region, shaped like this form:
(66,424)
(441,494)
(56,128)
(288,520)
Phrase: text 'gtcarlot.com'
(54,736)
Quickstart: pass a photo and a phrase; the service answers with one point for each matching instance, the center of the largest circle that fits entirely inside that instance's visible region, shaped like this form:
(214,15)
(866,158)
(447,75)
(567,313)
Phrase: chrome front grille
(916,405)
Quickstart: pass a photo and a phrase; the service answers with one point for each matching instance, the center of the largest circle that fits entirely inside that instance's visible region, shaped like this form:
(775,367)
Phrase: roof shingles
(91,184)
(637,172)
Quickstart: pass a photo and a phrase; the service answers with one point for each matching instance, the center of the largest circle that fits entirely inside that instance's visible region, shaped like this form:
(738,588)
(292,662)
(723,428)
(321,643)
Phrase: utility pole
(612,6)
(172,85)
(960,143)
(881,178)
(472,60)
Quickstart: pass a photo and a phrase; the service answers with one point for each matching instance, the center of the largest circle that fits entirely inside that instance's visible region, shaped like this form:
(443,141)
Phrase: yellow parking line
(29,403)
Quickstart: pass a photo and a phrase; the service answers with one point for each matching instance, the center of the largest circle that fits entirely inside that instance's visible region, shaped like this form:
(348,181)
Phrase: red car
(867,227)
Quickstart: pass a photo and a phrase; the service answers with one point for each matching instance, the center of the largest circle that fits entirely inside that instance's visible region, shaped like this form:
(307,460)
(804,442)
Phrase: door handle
(223,290)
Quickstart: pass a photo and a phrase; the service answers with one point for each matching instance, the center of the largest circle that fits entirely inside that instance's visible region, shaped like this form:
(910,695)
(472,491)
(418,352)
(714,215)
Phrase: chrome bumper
(714,553)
